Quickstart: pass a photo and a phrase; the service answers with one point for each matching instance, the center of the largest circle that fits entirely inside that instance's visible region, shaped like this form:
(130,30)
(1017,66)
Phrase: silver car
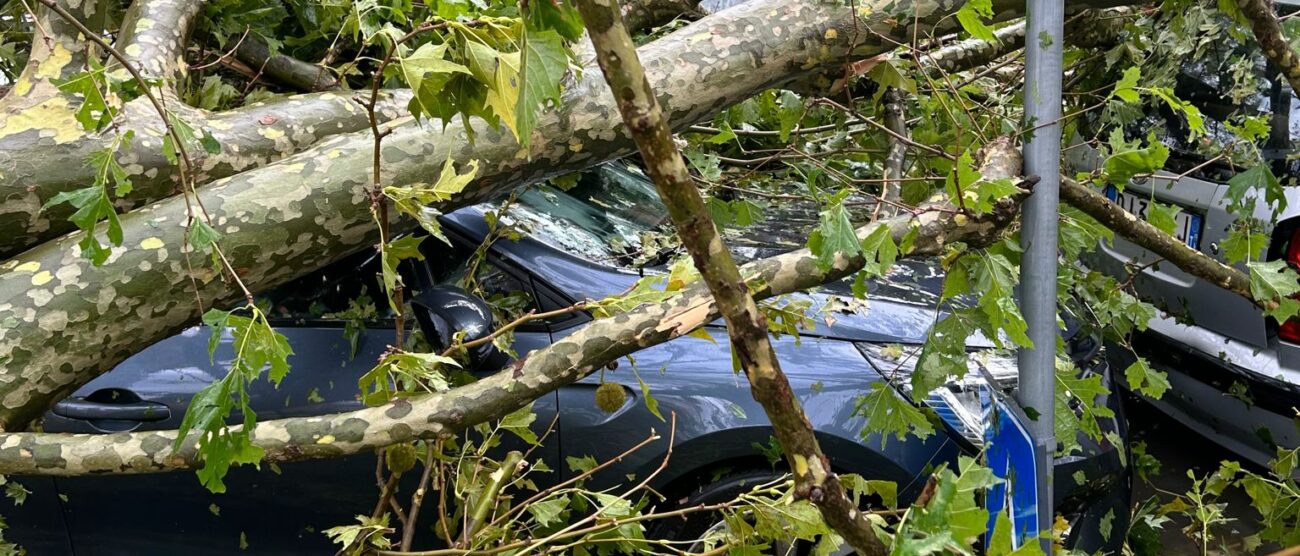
(1235,373)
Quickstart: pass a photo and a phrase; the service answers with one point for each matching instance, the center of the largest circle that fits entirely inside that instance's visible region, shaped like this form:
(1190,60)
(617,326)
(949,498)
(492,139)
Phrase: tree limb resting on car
(1149,237)
(537,373)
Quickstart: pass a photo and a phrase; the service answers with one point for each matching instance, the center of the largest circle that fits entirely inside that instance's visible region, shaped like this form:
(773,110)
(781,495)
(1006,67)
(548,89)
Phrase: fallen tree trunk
(64,321)
(43,149)
(490,398)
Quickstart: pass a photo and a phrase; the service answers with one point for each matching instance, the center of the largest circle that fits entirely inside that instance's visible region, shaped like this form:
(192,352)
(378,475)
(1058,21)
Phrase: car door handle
(81,408)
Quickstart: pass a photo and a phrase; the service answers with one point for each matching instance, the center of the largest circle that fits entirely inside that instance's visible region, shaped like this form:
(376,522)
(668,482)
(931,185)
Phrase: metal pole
(1042,153)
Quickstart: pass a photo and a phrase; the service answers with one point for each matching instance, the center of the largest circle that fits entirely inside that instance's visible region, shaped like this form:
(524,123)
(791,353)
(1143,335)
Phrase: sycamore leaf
(880,251)
(1162,216)
(886,413)
(1275,281)
(426,70)
(1142,378)
(792,109)
(954,507)
(972,15)
(650,402)
(1122,166)
(548,511)
(1126,87)
(1259,180)
(503,94)
(394,252)
(1243,245)
(834,236)
(544,63)
(415,200)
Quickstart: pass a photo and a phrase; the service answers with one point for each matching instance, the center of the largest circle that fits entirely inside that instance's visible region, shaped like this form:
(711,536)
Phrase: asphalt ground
(1179,448)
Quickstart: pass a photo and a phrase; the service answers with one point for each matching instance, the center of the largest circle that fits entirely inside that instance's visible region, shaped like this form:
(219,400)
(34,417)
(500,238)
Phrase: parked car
(1234,372)
(575,250)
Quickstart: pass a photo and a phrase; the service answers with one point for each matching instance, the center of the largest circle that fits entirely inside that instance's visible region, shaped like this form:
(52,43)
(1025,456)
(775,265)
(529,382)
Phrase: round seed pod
(400,458)
(610,397)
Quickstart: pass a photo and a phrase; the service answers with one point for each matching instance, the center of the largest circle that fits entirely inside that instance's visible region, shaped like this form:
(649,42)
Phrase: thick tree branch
(746,325)
(1149,237)
(287,70)
(58,51)
(1262,15)
(43,153)
(539,372)
(154,33)
(64,321)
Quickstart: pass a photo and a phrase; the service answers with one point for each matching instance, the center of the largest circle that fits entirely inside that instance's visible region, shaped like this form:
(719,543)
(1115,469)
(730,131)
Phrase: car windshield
(604,217)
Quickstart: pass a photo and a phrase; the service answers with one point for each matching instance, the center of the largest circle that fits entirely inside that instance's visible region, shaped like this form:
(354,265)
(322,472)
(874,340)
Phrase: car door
(274,510)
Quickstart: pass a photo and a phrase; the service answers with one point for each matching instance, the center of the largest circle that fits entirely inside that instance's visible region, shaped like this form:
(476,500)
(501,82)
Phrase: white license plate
(1187,225)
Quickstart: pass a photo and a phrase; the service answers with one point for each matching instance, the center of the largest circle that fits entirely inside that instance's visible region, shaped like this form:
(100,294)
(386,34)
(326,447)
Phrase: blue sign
(1010,454)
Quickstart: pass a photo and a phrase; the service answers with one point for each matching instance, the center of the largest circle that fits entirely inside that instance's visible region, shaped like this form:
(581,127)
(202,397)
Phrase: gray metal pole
(1042,151)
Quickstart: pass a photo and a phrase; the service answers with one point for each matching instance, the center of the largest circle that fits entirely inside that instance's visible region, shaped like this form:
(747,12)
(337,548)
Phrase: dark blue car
(583,243)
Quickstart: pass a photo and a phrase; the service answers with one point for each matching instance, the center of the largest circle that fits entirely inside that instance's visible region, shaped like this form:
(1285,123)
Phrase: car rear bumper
(1247,412)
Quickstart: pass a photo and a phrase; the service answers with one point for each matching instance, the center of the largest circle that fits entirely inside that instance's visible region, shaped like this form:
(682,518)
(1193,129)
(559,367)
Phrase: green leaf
(256,346)
(426,71)
(791,112)
(201,236)
(1162,216)
(888,413)
(880,251)
(1258,180)
(1195,120)
(834,236)
(544,63)
(650,402)
(558,15)
(415,200)
(1142,378)
(394,252)
(705,164)
(402,373)
(972,15)
(519,422)
(1126,87)
(1122,166)
(1277,282)
(1087,389)
(1242,245)
(943,356)
(954,507)
(548,511)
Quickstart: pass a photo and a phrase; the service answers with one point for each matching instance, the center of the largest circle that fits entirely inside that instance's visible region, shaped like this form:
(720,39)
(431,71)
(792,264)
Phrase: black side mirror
(443,312)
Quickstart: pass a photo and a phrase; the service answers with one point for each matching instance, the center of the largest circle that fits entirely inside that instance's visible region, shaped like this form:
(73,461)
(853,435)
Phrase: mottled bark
(286,70)
(64,321)
(43,151)
(746,325)
(538,373)
(1148,237)
(58,51)
(1268,32)
(154,34)
(1091,29)
(896,158)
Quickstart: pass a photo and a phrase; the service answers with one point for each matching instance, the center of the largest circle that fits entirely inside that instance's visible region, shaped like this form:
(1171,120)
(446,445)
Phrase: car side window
(349,289)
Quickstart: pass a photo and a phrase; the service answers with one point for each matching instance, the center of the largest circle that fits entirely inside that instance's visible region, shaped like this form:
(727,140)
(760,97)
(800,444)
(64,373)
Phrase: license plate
(1187,225)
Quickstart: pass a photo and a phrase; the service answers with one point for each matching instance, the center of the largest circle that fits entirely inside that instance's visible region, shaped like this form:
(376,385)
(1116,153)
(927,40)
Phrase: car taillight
(1290,330)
